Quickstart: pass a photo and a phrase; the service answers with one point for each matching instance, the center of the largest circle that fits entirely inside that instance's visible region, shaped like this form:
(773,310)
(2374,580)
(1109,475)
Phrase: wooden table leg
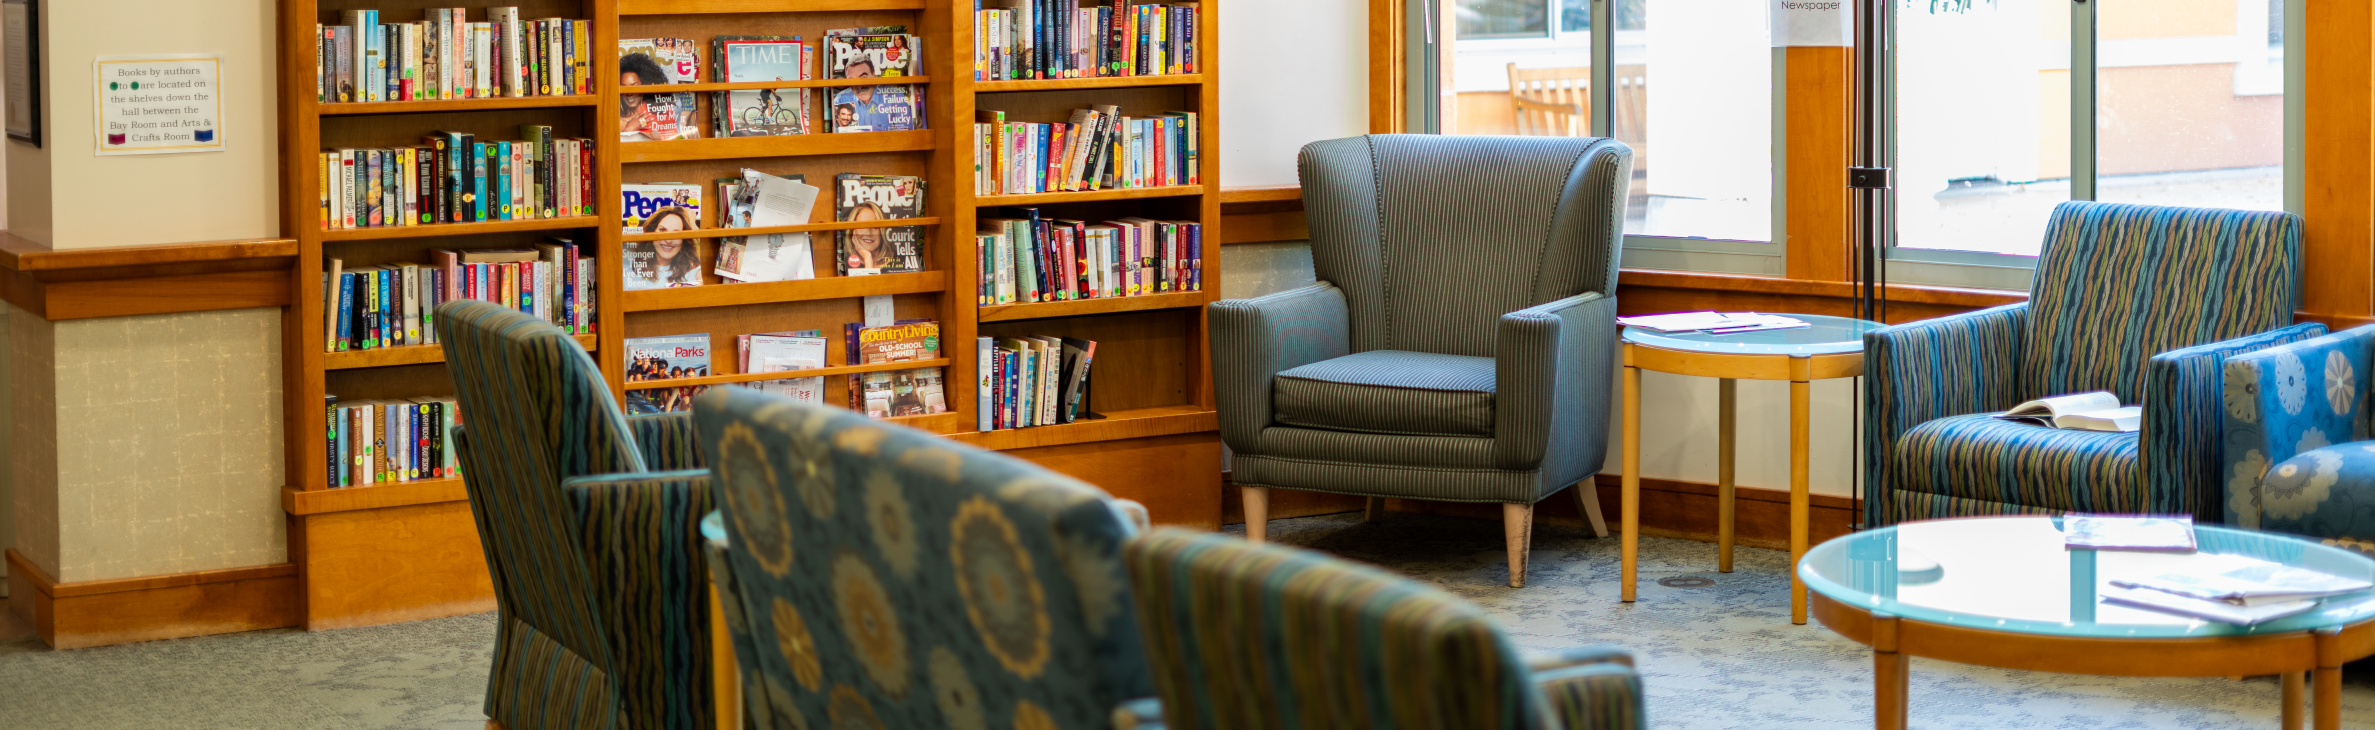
(1891,675)
(725,672)
(1799,393)
(1727,422)
(2328,692)
(2290,711)
(1629,511)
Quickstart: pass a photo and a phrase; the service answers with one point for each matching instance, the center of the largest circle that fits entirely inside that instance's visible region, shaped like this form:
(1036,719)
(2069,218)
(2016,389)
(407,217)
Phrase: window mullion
(2083,107)
(1603,68)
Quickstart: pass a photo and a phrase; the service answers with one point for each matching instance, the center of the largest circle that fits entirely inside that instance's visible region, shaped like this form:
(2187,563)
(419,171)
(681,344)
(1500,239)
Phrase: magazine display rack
(409,550)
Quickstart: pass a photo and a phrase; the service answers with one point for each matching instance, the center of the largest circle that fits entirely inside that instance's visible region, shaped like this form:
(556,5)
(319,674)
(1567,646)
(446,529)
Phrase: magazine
(654,62)
(903,393)
(665,358)
(761,112)
(2108,532)
(2096,411)
(759,199)
(867,251)
(786,351)
(858,53)
(2219,611)
(655,208)
(2245,581)
(897,393)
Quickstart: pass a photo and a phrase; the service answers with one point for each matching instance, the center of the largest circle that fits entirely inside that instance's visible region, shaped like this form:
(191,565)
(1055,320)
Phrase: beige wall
(146,199)
(147,445)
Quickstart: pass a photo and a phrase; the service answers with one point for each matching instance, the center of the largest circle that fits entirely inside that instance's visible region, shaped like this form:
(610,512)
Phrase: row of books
(1068,39)
(1031,258)
(394,305)
(446,56)
(453,177)
(383,441)
(760,200)
(885,394)
(1033,381)
(849,53)
(1099,149)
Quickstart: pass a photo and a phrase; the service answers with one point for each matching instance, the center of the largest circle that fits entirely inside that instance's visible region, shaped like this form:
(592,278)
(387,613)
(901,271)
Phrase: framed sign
(20,33)
(158,104)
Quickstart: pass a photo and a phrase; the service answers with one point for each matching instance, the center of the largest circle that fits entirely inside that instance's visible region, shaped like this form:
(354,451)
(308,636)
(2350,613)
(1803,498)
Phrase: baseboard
(1669,508)
(103,612)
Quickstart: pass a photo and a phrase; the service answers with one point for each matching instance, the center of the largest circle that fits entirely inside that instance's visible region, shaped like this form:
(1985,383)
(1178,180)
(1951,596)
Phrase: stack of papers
(1714,323)
(2233,589)
(2105,532)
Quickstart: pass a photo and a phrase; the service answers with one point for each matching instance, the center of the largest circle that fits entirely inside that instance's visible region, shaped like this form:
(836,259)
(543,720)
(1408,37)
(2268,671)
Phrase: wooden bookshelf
(1157,441)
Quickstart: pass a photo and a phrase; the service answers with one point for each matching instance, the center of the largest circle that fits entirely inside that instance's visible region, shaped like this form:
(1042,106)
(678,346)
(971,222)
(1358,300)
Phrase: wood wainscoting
(102,612)
(369,564)
(1148,470)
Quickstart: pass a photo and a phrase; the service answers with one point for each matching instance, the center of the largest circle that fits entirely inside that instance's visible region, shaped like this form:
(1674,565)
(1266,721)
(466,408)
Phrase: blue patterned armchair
(2142,301)
(2296,450)
(888,578)
(589,520)
(1249,636)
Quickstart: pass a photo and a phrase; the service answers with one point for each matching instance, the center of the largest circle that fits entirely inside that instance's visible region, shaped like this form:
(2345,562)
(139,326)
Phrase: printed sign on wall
(1813,23)
(159,104)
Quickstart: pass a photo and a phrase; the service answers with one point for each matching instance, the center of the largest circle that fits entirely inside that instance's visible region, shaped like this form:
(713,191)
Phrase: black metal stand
(1868,181)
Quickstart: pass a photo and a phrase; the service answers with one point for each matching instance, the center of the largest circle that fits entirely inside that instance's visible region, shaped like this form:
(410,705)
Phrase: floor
(1718,656)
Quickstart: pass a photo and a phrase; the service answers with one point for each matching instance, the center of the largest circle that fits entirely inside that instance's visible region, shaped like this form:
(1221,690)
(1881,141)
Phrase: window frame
(1983,270)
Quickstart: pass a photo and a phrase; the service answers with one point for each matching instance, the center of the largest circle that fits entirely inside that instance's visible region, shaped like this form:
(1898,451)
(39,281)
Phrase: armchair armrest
(1552,364)
(2182,404)
(666,441)
(1594,696)
(1255,339)
(643,549)
(1577,656)
(1927,370)
(2278,403)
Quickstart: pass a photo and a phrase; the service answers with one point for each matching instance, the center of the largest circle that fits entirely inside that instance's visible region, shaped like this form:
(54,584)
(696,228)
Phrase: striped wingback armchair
(1459,343)
(1247,636)
(2146,302)
(893,579)
(590,522)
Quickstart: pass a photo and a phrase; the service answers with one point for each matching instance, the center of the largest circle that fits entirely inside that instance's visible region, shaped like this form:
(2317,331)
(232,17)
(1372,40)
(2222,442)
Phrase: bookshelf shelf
(380,357)
(1116,425)
(692,7)
(457,105)
(766,230)
(754,85)
(457,229)
(1083,196)
(1097,82)
(811,373)
(1078,307)
(794,145)
(376,496)
(828,287)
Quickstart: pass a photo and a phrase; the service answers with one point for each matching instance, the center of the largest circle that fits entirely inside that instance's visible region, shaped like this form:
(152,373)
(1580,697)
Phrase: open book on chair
(2096,411)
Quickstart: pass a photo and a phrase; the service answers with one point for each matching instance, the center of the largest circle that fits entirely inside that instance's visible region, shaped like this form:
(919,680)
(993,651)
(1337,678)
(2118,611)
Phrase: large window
(1994,129)
(1689,84)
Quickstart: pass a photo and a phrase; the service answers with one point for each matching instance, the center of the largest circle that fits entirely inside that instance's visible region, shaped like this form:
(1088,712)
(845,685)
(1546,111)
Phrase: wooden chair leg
(1517,526)
(1257,513)
(1375,511)
(1587,500)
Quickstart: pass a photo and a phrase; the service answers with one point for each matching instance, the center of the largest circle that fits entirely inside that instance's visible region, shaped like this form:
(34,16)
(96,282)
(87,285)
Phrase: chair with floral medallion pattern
(2296,441)
(889,578)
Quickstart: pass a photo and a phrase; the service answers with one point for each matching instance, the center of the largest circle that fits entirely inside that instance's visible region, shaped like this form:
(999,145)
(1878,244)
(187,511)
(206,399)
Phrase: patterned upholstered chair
(2142,301)
(2297,449)
(589,521)
(1461,338)
(1260,637)
(893,579)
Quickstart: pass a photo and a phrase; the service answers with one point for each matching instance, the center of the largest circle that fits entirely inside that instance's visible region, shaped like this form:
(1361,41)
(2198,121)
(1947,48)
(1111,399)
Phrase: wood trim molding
(1741,283)
(297,501)
(132,280)
(102,612)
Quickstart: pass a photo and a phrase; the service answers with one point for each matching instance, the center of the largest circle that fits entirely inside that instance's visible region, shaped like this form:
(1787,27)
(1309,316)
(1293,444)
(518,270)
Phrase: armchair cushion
(2282,404)
(2326,492)
(1390,391)
(1980,457)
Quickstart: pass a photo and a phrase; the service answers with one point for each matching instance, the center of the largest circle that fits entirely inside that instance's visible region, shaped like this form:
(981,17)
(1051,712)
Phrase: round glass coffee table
(2004,592)
(1828,347)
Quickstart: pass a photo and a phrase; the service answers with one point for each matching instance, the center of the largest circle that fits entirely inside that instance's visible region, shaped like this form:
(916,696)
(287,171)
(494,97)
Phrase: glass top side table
(1829,347)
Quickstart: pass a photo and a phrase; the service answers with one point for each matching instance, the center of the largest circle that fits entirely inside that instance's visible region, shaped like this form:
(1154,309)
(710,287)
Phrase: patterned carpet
(1720,656)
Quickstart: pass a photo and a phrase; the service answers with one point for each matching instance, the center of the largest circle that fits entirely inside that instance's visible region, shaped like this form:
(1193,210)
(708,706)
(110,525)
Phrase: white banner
(1813,23)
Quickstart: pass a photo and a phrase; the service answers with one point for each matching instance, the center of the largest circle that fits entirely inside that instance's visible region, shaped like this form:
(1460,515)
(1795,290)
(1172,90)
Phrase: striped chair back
(536,412)
(1434,237)
(2117,284)
(892,578)
(1248,636)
